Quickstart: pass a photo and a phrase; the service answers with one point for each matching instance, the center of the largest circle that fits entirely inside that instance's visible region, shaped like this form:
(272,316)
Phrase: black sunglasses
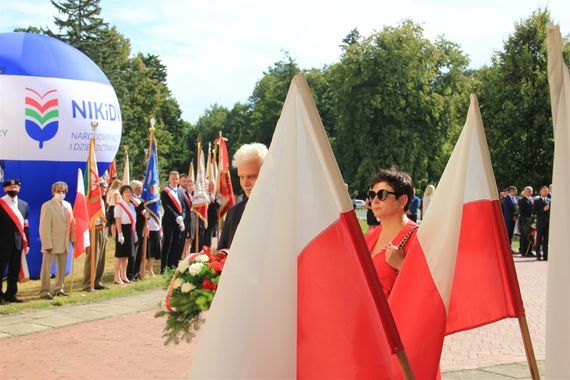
(381,194)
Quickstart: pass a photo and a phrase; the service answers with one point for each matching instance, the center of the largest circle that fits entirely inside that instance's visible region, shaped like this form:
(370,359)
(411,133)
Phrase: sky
(216,50)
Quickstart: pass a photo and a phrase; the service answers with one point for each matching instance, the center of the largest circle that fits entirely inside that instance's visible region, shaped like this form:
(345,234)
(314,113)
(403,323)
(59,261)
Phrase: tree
(515,106)
(397,98)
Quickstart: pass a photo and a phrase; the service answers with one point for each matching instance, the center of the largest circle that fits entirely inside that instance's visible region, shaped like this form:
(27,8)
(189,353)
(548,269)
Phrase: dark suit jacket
(170,210)
(230,225)
(526,206)
(542,217)
(10,238)
(139,224)
(509,207)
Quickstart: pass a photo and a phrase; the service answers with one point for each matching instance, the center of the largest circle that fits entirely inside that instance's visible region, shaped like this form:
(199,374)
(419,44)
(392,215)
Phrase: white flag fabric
(293,300)
(558,282)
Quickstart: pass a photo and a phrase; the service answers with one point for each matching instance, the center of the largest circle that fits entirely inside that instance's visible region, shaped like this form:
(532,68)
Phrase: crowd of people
(528,215)
(170,237)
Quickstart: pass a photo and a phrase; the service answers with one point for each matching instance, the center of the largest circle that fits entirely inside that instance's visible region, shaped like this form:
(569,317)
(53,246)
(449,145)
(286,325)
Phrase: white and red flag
(459,274)
(225,188)
(295,299)
(201,200)
(557,299)
(81,217)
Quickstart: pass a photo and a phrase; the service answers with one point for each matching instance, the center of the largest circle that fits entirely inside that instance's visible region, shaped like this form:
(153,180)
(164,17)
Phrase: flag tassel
(528,349)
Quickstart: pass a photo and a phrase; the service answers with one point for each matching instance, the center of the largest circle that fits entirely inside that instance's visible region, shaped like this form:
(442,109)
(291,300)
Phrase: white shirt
(13,203)
(121,213)
(153,225)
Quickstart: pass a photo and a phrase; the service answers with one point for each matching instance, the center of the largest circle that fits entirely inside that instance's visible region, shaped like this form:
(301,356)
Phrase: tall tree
(80,24)
(396,98)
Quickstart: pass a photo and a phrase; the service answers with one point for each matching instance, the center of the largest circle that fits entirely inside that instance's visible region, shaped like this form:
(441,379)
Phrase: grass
(29,291)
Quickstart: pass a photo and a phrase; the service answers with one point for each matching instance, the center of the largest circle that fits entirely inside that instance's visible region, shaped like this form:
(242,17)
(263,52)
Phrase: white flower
(195,268)
(178,283)
(202,258)
(182,266)
(187,287)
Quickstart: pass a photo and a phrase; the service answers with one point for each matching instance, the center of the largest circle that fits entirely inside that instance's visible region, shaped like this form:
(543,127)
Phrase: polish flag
(298,297)
(459,274)
(81,217)
(557,300)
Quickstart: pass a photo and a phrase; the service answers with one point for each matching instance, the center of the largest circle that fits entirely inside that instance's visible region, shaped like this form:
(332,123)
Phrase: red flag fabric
(459,273)
(225,188)
(94,201)
(112,172)
(295,299)
(81,217)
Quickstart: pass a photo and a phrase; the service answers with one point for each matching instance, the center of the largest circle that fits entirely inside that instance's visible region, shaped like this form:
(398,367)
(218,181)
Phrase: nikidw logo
(42,114)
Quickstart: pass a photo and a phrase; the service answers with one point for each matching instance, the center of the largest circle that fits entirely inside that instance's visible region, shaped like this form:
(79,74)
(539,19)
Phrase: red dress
(386,273)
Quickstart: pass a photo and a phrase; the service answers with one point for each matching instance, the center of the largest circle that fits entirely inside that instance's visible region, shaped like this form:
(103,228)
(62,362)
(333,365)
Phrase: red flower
(217,266)
(209,285)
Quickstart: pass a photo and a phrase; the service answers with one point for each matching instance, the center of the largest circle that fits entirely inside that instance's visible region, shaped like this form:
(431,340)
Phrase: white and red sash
(174,198)
(129,214)
(16,220)
(24,273)
(137,202)
(187,201)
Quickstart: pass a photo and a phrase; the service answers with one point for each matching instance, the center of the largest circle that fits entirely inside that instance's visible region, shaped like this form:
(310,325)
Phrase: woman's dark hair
(125,187)
(399,180)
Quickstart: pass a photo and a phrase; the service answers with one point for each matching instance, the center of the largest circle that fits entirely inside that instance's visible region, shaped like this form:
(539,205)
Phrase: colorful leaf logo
(42,115)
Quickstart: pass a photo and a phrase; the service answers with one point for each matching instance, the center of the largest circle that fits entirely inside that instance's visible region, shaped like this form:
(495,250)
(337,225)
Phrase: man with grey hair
(247,160)
(526,204)
(57,232)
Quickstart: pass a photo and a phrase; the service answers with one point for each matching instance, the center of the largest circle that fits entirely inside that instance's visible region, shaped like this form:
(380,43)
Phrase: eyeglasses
(60,191)
(381,194)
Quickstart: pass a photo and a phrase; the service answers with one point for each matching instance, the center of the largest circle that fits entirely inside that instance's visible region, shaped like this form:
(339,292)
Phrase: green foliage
(398,98)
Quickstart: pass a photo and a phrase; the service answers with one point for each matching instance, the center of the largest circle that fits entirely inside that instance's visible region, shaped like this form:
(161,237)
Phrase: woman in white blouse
(126,237)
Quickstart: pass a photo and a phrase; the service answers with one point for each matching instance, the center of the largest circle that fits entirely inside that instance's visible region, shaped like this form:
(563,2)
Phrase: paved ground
(120,338)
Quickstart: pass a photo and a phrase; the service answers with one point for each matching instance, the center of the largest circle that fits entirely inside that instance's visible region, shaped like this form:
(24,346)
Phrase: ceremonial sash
(131,217)
(137,203)
(16,221)
(174,198)
(187,201)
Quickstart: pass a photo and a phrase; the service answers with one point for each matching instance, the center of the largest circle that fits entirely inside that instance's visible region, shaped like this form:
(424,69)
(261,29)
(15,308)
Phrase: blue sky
(216,50)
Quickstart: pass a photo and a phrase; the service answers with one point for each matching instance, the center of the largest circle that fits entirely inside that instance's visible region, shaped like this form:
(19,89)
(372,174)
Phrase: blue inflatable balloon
(50,93)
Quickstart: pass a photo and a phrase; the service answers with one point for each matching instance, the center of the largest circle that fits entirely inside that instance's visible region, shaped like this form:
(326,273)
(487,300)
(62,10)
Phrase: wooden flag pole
(144,248)
(72,266)
(405,365)
(196,236)
(529,351)
(93,252)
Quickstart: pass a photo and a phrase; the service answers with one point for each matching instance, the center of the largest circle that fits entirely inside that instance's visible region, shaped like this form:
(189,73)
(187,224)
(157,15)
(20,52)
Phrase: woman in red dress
(391,193)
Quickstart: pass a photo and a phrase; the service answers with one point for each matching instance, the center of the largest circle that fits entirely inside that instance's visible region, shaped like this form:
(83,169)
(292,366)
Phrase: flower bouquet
(191,289)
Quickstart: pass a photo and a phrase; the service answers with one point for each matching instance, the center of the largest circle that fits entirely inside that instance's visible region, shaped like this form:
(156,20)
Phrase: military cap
(10,182)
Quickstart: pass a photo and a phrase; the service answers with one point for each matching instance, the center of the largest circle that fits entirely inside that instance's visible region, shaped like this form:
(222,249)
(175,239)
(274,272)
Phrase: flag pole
(529,351)
(92,229)
(72,266)
(405,365)
(144,248)
(196,235)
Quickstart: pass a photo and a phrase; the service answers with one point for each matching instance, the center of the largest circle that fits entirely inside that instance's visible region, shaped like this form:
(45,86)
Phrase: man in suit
(14,238)
(247,160)
(510,211)
(172,201)
(57,232)
(526,204)
(542,210)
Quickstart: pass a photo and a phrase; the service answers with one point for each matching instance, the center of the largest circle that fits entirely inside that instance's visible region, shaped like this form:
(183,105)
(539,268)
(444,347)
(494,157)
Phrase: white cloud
(215,50)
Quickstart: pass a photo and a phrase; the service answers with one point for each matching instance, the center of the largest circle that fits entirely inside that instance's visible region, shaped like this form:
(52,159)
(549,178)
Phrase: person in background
(526,205)
(57,232)
(248,160)
(510,211)
(126,236)
(426,200)
(111,200)
(542,210)
(213,209)
(134,263)
(414,207)
(371,220)
(100,250)
(172,201)
(14,238)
